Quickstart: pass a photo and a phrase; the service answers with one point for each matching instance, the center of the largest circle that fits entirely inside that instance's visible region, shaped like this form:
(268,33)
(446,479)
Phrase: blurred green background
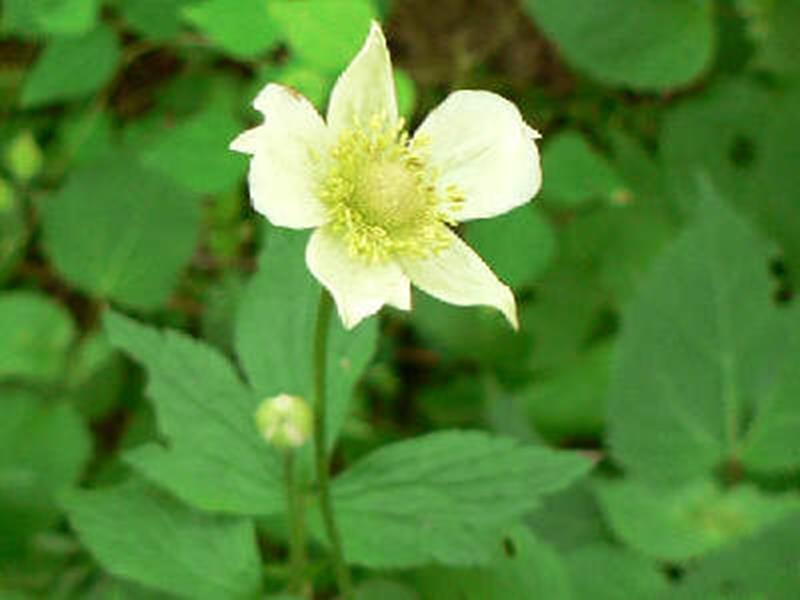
(670,206)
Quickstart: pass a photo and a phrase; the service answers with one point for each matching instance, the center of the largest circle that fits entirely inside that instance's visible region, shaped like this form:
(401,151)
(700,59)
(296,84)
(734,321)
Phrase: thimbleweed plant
(383,203)
(263,446)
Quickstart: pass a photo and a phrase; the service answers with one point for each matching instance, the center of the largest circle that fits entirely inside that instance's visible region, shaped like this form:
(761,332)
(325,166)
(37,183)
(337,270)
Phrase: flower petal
(282,177)
(479,143)
(366,88)
(248,142)
(359,289)
(459,276)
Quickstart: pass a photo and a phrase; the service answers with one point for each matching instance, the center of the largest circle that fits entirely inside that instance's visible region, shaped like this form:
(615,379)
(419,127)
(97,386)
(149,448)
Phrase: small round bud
(285,421)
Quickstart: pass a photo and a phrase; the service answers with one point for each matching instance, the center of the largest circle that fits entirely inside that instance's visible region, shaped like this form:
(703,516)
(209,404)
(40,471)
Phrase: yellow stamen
(382,196)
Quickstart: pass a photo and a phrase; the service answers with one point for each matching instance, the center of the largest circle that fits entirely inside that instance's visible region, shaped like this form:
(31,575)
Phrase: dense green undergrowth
(637,438)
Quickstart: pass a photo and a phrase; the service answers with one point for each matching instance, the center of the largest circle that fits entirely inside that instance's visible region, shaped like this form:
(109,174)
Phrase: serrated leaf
(242,28)
(658,45)
(36,335)
(275,326)
(214,458)
(445,497)
(122,232)
(699,345)
(43,448)
(141,534)
(72,68)
(307,25)
(189,153)
(680,523)
(576,173)
(523,567)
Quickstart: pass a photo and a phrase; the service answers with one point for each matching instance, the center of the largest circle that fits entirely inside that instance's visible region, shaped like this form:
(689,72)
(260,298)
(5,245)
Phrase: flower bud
(285,421)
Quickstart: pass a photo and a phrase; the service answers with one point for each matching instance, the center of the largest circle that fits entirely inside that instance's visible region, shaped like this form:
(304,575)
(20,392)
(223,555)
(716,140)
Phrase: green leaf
(154,19)
(563,314)
(576,173)
(23,157)
(119,231)
(307,25)
(655,46)
(735,133)
(604,572)
(43,448)
(618,243)
(522,567)
(406,93)
(764,566)
(206,415)
(384,589)
(85,137)
(445,497)
(36,335)
(141,534)
(275,326)
(774,28)
(242,28)
(192,153)
(58,17)
(770,441)
(569,519)
(680,523)
(519,245)
(572,402)
(221,305)
(72,68)
(307,80)
(478,334)
(698,348)
(67,17)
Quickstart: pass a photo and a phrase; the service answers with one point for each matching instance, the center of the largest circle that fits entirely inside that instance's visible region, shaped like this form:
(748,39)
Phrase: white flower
(383,203)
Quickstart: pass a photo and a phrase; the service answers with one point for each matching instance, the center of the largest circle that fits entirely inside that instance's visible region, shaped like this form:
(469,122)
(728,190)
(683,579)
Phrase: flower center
(382,196)
(388,194)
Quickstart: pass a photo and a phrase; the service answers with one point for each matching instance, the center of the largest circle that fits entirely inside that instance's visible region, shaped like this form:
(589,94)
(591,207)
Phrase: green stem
(320,443)
(297,526)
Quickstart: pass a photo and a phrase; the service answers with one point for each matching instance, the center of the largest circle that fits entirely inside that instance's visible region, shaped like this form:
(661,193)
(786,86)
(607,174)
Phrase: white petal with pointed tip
(249,142)
(480,143)
(283,177)
(359,289)
(366,87)
(459,276)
